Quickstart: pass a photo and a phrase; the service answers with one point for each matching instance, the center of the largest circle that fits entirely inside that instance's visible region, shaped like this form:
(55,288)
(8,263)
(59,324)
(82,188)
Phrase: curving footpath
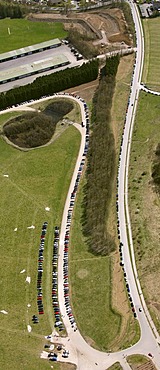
(146,89)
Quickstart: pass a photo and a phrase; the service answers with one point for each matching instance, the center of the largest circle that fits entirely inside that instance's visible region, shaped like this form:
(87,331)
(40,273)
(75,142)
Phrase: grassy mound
(34,129)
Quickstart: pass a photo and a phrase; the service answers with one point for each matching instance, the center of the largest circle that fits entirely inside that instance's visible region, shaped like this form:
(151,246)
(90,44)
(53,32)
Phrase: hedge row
(50,84)
(101,165)
(10,10)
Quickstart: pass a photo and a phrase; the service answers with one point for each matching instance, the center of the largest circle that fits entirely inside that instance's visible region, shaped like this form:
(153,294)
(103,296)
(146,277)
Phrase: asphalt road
(148,342)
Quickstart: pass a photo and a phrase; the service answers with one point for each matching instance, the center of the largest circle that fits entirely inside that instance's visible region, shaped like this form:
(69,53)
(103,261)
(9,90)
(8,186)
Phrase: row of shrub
(10,10)
(50,84)
(101,165)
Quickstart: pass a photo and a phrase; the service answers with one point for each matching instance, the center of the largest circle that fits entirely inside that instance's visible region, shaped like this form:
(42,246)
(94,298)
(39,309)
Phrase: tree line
(50,84)
(101,165)
(10,10)
(81,43)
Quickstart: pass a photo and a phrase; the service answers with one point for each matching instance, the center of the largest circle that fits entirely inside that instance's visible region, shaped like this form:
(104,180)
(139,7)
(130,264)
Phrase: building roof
(35,67)
(29,49)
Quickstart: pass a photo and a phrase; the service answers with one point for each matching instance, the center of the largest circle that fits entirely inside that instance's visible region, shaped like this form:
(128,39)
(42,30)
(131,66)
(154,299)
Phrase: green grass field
(115,366)
(135,361)
(144,202)
(24,33)
(37,179)
(91,292)
(91,287)
(151,75)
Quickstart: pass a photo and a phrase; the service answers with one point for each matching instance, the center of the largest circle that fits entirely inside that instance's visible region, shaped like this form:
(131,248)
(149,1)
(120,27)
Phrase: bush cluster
(50,84)
(80,42)
(35,129)
(10,10)
(156,169)
(101,166)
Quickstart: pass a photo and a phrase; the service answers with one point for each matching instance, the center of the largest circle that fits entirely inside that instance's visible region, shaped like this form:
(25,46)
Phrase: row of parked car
(69,218)
(57,315)
(121,246)
(40,269)
(54,356)
(76,53)
(73,50)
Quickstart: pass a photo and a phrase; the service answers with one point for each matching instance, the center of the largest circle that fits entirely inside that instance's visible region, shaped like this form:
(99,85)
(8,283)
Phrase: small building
(27,70)
(28,50)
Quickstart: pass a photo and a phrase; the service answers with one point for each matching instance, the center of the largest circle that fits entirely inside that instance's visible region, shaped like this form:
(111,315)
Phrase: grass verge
(144,202)
(91,287)
(29,33)
(140,362)
(151,75)
(36,179)
(115,366)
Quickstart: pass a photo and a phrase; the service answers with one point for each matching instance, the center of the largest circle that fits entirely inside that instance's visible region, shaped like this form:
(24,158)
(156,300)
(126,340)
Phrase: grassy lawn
(91,288)
(37,179)
(144,201)
(151,75)
(119,300)
(138,361)
(29,33)
(115,366)
(97,285)
(7,116)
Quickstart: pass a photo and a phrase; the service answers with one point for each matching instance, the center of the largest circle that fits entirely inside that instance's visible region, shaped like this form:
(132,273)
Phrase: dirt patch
(157,305)
(120,303)
(82,273)
(67,366)
(146,366)
(111,22)
(90,341)
(85,91)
